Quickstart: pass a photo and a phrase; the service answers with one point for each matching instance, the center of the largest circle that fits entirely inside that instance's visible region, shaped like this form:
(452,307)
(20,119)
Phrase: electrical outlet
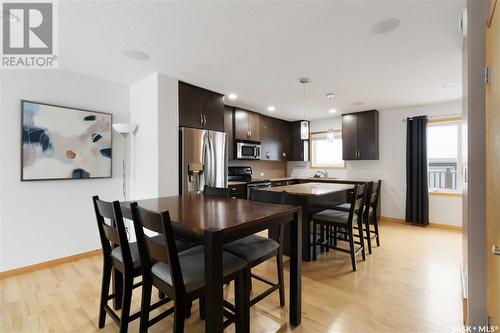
(262,174)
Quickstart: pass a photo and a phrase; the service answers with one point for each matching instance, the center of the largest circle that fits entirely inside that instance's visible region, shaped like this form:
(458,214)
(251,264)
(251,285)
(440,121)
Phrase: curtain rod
(438,116)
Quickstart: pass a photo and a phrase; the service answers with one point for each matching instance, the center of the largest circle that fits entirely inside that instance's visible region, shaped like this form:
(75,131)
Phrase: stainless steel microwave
(247,150)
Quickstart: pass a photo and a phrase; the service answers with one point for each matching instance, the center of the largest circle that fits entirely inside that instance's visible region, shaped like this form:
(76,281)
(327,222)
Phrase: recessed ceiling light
(136,55)
(232,96)
(332,110)
(358,103)
(387,25)
(271,108)
(448,85)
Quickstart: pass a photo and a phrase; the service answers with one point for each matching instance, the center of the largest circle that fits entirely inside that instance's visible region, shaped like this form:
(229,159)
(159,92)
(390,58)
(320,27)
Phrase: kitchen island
(313,197)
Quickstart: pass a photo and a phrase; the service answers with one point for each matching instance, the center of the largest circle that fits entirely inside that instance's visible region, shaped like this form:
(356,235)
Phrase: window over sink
(326,151)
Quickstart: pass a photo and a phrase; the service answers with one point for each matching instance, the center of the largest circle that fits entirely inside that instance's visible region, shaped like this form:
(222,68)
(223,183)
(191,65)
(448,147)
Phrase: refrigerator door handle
(209,161)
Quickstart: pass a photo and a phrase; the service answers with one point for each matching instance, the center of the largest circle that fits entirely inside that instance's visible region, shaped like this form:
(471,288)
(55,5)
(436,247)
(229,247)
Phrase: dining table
(214,221)
(313,197)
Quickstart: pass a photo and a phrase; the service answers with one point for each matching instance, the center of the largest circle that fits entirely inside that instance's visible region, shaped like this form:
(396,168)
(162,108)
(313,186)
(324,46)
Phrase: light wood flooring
(410,284)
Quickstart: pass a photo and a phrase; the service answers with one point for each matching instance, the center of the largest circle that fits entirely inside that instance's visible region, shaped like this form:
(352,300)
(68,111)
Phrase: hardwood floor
(410,284)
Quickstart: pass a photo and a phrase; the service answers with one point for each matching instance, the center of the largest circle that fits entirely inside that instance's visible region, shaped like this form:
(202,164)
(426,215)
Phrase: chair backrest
(112,229)
(357,201)
(157,248)
(216,191)
(375,195)
(368,196)
(276,233)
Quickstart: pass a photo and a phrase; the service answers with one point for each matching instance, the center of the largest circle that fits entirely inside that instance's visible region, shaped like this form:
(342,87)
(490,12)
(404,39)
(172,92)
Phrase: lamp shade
(304,130)
(124,128)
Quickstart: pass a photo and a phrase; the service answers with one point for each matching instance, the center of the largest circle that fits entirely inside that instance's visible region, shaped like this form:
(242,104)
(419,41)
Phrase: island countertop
(310,189)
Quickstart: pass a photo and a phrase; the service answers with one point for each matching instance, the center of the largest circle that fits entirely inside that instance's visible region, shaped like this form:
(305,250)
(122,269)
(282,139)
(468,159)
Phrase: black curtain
(417,190)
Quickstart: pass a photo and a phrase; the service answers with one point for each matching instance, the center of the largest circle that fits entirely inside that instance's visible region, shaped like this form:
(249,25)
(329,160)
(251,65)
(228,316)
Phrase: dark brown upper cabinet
(200,108)
(246,125)
(270,139)
(360,136)
(299,147)
(229,129)
(285,139)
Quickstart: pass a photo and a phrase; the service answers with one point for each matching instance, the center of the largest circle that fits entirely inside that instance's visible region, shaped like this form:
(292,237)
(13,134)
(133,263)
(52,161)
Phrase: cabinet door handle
(204,120)
(201,119)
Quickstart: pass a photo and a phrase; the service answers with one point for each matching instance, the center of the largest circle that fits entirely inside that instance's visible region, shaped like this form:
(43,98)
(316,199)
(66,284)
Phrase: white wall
(168,135)
(45,220)
(391,165)
(144,145)
(154,149)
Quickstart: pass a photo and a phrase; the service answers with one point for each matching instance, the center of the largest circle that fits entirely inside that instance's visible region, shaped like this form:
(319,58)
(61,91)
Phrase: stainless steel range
(244,174)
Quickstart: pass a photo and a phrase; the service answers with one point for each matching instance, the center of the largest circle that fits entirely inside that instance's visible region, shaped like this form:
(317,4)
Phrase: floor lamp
(124,129)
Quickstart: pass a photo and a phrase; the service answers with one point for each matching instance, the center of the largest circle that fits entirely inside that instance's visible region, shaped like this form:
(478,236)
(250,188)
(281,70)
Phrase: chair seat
(333,216)
(252,247)
(192,262)
(116,253)
(347,207)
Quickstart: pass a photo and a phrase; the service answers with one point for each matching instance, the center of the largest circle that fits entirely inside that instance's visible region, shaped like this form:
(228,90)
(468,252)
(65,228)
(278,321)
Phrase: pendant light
(330,136)
(304,124)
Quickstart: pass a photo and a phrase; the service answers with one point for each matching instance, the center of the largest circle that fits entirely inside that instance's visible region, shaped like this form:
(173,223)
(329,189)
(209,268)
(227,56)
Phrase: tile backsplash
(263,169)
(303,169)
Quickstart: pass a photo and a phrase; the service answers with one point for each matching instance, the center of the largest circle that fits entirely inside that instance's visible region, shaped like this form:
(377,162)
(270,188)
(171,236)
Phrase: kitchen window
(326,152)
(444,155)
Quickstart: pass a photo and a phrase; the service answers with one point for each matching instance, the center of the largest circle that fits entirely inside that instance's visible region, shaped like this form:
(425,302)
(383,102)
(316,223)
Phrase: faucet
(321,172)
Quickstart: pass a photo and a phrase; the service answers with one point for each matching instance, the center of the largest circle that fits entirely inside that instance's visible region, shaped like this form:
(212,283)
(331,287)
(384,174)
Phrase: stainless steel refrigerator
(203,159)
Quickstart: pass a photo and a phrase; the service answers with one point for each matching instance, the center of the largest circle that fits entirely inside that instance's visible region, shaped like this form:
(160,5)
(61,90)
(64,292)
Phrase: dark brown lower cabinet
(238,191)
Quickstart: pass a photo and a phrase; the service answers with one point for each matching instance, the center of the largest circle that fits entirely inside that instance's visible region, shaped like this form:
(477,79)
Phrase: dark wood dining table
(312,197)
(215,221)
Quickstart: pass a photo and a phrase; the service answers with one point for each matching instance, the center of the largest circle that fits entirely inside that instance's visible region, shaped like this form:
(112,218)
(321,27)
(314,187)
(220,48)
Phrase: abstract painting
(64,143)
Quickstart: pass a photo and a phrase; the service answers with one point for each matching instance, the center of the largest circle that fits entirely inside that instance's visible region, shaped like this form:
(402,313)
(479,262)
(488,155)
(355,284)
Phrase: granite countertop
(319,180)
(235,182)
(282,179)
(310,189)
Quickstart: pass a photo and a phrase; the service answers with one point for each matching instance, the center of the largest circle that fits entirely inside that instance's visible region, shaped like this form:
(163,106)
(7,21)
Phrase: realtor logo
(28,33)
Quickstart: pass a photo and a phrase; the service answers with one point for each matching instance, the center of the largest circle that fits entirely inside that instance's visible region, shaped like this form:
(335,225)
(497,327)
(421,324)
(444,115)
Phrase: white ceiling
(259,50)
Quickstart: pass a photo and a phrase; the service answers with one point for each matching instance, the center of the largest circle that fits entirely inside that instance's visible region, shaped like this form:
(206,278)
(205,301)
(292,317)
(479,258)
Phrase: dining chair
(370,213)
(343,222)
(374,202)
(118,254)
(179,275)
(122,256)
(256,249)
